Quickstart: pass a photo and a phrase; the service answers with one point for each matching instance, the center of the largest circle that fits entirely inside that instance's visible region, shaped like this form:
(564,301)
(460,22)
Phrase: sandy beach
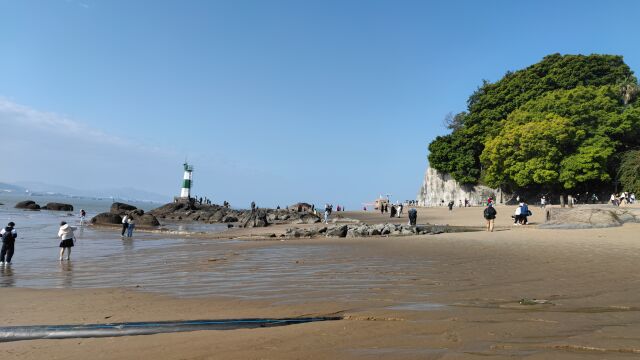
(446,296)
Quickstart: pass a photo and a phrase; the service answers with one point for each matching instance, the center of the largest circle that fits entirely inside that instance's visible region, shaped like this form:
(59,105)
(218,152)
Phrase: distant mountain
(4,187)
(125,193)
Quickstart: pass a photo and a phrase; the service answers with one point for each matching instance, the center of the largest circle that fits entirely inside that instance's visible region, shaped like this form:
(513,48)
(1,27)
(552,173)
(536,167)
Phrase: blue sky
(273,101)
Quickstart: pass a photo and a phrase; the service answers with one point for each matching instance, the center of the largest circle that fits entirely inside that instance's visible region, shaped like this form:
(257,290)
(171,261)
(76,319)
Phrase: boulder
(229,219)
(146,220)
(58,206)
(121,208)
(28,204)
(106,219)
(337,231)
(257,218)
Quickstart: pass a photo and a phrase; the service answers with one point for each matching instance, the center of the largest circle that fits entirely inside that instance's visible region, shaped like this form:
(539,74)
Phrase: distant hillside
(126,193)
(4,187)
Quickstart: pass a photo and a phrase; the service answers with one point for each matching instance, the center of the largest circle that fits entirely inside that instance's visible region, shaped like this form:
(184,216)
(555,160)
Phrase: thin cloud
(16,114)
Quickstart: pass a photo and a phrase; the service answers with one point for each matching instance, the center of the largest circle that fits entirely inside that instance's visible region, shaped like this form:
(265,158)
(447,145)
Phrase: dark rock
(257,218)
(229,219)
(146,220)
(337,231)
(58,207)
(28,204)
(107,219)
(121,208)
(136,212)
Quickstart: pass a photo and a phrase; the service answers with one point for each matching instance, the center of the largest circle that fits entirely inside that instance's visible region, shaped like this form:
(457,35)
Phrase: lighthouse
(185,194)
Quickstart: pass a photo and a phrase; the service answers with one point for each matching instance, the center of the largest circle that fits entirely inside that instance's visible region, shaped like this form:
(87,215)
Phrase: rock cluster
(212,214)
(28,205)
(363,230)
(58,206)
(119,210)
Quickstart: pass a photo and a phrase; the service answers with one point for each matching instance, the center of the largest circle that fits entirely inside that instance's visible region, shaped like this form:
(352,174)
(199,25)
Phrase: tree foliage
(629,171)
(556,124)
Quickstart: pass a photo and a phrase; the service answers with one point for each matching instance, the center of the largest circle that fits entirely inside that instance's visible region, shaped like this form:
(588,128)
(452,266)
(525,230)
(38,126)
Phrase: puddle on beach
(417,307)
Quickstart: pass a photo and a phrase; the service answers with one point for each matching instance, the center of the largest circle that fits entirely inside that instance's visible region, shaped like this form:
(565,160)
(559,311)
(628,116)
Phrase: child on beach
(66,235)
(9,236)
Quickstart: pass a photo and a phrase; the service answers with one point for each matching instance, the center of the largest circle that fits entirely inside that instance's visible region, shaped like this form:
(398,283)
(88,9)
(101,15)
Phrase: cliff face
(437,187)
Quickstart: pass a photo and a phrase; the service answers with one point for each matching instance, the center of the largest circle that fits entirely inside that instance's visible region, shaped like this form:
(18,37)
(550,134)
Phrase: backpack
(8,235)
(489,213)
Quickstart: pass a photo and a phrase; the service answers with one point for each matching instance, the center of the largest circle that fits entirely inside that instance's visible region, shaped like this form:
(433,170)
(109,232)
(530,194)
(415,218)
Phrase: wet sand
(447,296)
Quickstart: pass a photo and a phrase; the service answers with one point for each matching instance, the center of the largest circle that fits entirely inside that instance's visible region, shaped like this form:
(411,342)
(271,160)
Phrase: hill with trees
(565,123)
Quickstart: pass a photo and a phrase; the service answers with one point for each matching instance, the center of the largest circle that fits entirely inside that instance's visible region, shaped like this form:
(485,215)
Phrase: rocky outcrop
(364,230)
(221,214)
(587,217)
(27,205)
(107,218)
(257,218)
(437,187)
(58,207)
(121,208)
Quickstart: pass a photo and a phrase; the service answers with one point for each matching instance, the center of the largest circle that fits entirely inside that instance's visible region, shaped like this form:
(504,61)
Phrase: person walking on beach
(131,224)
(543,202)
(83,215)
(490,215)
(393,211)
(253,206)
(327,212)
(66,235)
(9,235)
(450,205)
(413,216)
(381,208)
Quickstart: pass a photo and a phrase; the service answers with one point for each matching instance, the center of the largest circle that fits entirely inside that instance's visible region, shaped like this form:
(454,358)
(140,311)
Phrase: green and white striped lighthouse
(187,182)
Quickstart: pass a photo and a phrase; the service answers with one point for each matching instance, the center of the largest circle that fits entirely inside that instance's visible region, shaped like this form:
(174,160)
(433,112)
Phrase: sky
(272,101)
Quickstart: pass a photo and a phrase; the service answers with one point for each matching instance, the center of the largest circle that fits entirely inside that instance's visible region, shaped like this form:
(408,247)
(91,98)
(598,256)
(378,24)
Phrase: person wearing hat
(9,235)
(490,215)
(66,235)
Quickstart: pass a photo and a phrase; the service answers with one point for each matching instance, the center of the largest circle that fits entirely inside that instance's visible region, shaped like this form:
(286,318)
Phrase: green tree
(487,108)
(629,171)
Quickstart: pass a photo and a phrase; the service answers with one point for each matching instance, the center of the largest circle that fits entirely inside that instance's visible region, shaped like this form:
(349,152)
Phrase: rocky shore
(364,230)
(215,214)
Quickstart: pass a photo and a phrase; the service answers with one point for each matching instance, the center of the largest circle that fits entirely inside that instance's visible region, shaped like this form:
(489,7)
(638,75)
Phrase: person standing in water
(9,235)
(66,235)
(125,225)
(131,224)
(83,215)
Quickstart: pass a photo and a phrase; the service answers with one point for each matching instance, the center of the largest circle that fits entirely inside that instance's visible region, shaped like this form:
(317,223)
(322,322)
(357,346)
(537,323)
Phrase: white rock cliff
(437,187)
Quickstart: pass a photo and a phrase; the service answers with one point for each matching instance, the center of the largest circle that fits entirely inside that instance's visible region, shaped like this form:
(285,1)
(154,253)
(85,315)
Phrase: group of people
(9,234)
(520,216)
(623,198)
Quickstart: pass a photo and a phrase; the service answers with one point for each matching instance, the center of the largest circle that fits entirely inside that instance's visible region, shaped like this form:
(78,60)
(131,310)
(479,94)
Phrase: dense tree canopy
(558,124)
(629,171)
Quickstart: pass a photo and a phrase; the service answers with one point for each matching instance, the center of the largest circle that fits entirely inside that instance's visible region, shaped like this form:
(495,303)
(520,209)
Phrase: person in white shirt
(65,233)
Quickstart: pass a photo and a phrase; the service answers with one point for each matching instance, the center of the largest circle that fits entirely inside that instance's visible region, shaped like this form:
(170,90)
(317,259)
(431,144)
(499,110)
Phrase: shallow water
(192,267)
